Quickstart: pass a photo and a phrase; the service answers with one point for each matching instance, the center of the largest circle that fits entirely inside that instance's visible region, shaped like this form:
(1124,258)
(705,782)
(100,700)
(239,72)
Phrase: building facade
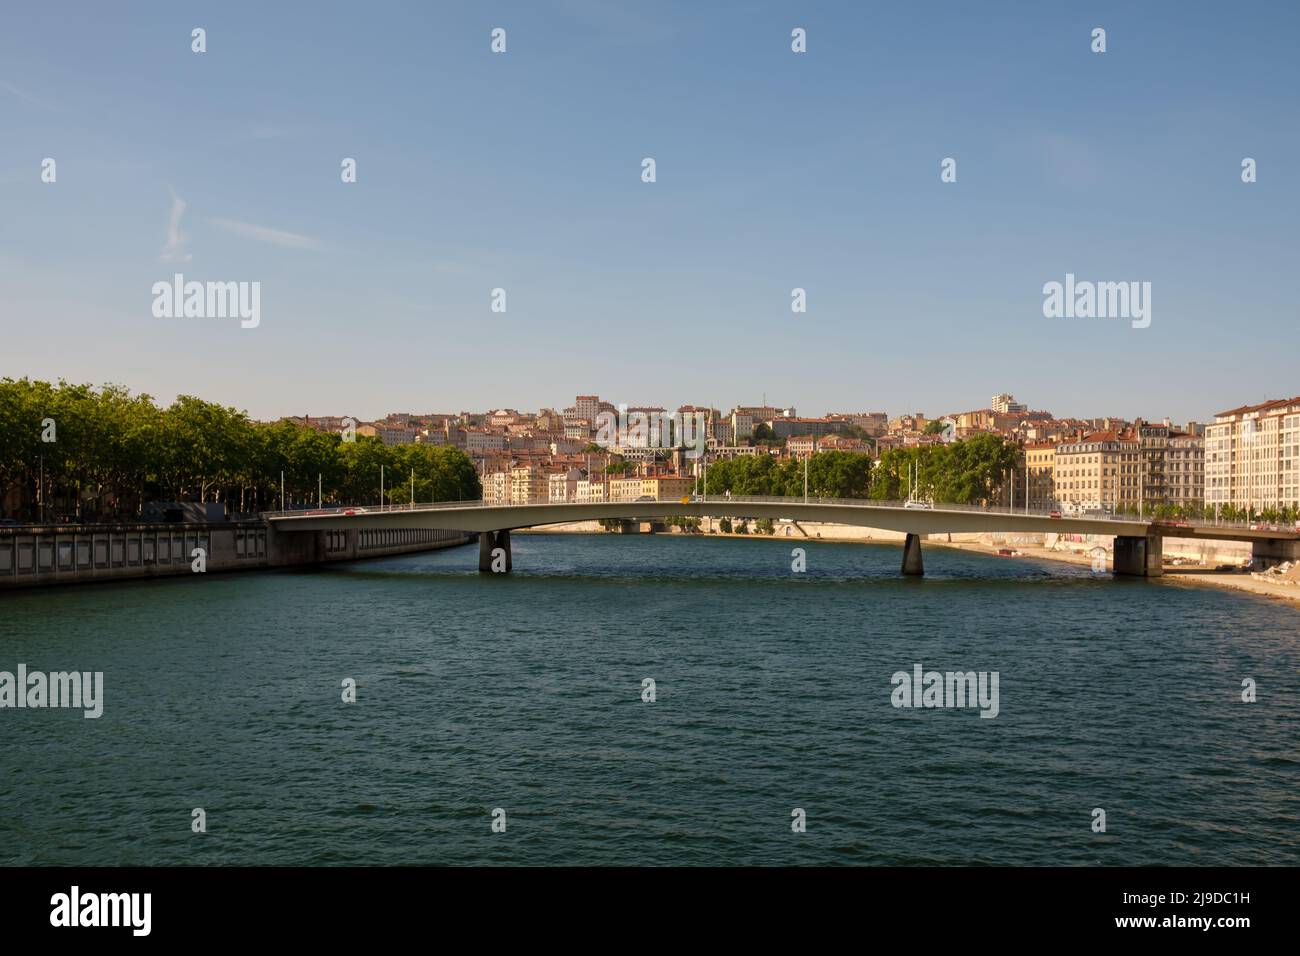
(1252,456)
(1040,466)
(1099,472)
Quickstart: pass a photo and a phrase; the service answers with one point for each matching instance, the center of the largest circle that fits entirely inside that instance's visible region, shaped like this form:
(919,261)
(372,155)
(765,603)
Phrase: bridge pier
(912,563)
(489,541)
(1139,556)
(1271,551)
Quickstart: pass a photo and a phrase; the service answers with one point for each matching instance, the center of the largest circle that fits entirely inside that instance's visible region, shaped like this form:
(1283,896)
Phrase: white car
(917,504)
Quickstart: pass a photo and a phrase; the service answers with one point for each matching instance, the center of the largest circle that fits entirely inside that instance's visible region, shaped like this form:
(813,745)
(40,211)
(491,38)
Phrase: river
(772,694)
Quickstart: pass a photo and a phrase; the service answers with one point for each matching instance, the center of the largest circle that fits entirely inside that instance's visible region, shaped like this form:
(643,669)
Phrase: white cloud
(24,95)
(278,237)
(174,251)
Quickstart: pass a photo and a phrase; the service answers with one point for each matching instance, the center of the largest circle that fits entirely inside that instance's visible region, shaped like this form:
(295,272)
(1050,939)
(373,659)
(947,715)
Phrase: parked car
(646,498)
(8,522)
(1054,514)
(917,504)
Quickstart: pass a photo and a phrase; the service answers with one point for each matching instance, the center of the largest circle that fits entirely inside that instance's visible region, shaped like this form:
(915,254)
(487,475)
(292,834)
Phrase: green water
(773,693)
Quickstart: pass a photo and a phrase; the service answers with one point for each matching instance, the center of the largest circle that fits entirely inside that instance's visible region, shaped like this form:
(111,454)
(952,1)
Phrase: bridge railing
(1162,524)
(693,499)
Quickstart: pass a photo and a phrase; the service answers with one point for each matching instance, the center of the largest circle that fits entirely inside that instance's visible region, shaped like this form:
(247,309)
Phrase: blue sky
(775,171)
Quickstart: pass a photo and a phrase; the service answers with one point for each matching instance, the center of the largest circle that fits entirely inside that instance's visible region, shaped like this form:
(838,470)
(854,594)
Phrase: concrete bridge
(1138,548)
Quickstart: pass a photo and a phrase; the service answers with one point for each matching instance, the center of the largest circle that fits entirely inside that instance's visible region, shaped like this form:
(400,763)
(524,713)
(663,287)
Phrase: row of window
(389,539)
(250,544)
(40,554)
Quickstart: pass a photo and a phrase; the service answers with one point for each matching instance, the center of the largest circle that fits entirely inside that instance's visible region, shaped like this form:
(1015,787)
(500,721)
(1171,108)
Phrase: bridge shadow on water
(706,562)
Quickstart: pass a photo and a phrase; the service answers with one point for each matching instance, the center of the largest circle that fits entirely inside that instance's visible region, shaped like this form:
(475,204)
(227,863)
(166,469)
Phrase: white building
(1252,456)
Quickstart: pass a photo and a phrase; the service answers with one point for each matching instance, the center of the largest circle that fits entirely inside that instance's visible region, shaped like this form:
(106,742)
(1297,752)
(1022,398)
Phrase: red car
(1054,514)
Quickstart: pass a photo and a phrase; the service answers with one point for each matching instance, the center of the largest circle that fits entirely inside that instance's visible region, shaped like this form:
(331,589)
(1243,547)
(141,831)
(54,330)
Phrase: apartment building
(786,427)
(745,417)
(666,487)
(496,488)
(983,420)
(1007,405)
(624,488)
(588,407)
(801,445)
(1252,456)
(1098,472)
(1154,439)
(1040,466)
(1184,469)
(562,486)
(528,485)
(591,490)
(873,423)
(480,440)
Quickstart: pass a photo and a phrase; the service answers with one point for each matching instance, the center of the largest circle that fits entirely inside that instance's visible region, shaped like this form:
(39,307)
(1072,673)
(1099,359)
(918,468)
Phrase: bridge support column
(489,541)
(1271,551)
(912,563)
(503,542)
(1140,557)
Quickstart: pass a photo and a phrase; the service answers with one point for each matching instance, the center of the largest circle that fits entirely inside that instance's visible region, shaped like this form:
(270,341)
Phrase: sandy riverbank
(1184,574)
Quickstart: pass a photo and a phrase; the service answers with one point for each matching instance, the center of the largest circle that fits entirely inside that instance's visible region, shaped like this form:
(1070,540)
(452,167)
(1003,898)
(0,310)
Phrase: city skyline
(776,171)
(452,407)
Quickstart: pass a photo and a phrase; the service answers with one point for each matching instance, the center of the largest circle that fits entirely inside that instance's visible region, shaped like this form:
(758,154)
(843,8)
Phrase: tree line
(96,453)
(971,471)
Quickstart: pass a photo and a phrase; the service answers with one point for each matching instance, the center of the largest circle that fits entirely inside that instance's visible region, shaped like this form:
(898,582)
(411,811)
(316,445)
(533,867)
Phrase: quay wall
(34,556)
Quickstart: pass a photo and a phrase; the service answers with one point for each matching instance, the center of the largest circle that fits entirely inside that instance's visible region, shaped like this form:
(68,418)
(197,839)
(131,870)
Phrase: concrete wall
(73,554)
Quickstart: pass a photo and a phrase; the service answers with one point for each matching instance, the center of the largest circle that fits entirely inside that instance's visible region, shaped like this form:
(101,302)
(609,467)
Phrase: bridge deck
(885,515)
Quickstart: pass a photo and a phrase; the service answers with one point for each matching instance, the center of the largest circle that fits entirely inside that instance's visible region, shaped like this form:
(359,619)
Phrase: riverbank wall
(76,554)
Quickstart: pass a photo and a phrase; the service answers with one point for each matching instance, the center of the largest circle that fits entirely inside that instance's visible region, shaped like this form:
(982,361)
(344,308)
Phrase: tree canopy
(104,451)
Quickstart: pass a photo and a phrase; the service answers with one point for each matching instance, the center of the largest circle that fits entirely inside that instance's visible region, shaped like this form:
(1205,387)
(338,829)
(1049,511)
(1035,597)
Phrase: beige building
(667,487)
(528,485)
(1040,465)
(496,488)
(625,488)
(589,491)
(1099,472)
(1252,456)
(563,485)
